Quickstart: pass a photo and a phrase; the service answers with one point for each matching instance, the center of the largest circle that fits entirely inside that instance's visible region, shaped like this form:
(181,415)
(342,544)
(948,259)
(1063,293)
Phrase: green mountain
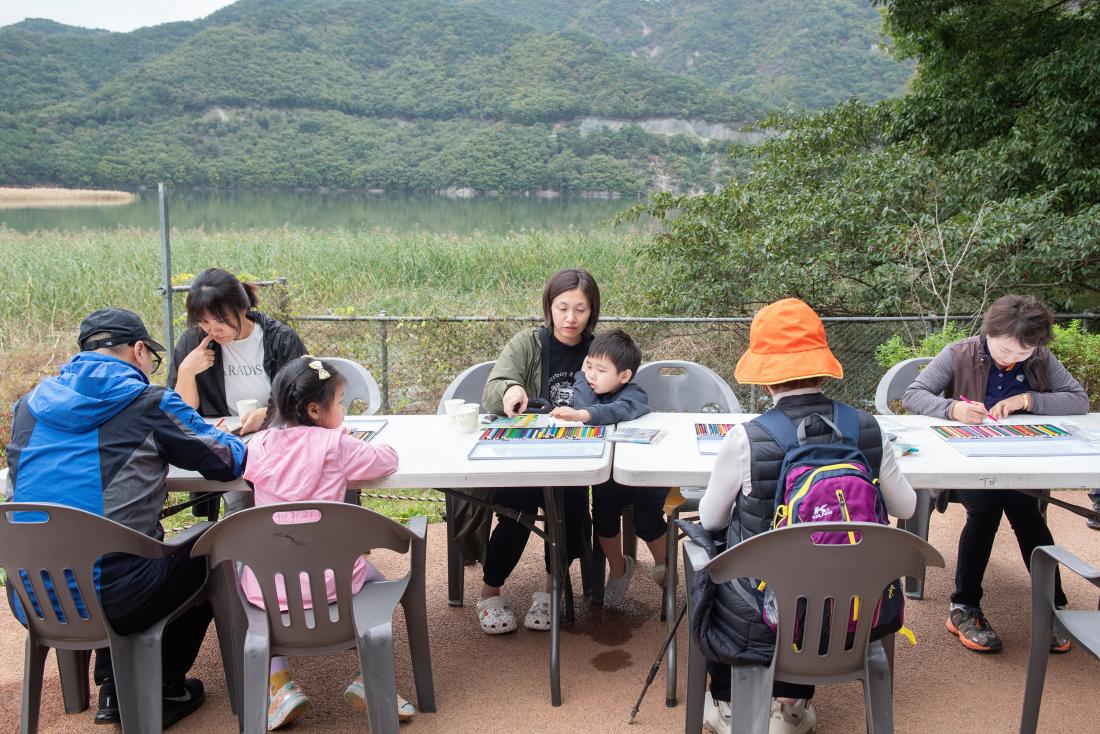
(419,95)
(779,54)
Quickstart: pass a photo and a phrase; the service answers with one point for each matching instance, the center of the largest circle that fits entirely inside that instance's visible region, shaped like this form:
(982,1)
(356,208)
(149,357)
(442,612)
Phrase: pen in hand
(973,402)
(219,423)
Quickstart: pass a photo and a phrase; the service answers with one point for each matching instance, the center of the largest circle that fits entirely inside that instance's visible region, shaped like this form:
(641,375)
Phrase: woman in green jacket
(537,363)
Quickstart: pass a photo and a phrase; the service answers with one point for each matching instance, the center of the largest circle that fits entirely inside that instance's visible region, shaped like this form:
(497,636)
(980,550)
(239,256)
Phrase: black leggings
(984,508)
(509,538)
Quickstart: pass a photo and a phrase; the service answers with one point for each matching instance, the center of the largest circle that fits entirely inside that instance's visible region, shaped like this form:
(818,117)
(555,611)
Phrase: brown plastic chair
(62,544)
(795,568)
(364,620)
(1081,626)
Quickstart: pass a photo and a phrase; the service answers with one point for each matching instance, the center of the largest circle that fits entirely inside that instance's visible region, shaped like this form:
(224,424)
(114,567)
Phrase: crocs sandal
(538,616)
(495,617)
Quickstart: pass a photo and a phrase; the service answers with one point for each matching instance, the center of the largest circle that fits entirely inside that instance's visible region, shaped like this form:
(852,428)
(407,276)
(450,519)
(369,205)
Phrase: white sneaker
(716,715)
(793,718)
(615,589)
(658,575)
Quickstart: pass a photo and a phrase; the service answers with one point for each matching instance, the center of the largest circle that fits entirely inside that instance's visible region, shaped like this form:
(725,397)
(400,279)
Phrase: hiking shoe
(1059,645)
(355,695)
(285,705)
(181,700)
(793,718)
(615,589)
(107,711)
(716,715)
(973,630)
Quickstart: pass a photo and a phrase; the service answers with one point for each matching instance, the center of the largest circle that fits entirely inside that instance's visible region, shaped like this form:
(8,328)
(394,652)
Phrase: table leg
(918,526)
(456,572)
(555,509)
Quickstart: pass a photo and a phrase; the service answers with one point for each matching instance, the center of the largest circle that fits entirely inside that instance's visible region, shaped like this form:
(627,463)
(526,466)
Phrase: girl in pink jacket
(309,455)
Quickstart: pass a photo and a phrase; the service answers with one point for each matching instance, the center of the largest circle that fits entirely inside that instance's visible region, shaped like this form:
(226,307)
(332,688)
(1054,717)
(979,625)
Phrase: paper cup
(244,407)
(450,407)
(467,417)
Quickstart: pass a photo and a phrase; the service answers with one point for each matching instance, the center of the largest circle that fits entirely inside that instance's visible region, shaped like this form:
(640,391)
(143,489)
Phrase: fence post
(166,261)
(385,365)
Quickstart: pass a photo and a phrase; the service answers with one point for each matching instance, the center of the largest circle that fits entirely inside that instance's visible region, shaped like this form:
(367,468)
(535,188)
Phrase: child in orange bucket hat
(789,355)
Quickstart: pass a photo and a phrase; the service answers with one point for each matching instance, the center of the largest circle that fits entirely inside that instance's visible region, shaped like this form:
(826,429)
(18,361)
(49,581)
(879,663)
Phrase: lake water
(359,210)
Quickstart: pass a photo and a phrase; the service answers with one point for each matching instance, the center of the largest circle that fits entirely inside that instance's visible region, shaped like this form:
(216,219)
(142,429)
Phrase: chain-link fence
(414,358)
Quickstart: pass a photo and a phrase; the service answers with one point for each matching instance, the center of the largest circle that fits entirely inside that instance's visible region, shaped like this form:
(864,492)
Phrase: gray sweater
(625,404)
(936,388)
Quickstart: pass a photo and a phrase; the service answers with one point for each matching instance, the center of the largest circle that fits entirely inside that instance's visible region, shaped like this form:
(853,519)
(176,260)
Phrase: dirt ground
(500,684)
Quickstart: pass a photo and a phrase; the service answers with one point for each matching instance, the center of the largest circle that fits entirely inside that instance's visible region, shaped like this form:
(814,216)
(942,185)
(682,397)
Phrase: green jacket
(519,363)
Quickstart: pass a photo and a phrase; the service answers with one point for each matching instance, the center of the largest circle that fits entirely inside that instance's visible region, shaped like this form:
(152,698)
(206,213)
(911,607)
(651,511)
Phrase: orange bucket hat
(786,342)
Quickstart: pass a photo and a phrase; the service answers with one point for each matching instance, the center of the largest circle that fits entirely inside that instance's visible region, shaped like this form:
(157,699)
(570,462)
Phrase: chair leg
(72,666)
(696,688)
(750,699)
(136,663)
(257,665)
(630,538)
(587,566)
(878,691)
(379,678)
(597,572)
(668,604)
(415,604)
(1042,627)
(456,572)
(918,525)
(34,665)
(230,623)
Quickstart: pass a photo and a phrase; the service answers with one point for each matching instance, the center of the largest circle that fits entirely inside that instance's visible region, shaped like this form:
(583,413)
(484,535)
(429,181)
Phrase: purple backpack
(827,482)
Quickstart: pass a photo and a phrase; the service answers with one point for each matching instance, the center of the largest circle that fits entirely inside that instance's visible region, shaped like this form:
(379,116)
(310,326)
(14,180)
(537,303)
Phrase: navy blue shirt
(1003,383)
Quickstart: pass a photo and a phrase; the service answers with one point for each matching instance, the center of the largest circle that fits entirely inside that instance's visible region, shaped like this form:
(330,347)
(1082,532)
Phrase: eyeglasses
(157,359)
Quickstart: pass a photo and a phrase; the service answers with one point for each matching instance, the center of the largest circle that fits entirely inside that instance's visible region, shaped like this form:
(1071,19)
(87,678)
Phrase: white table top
(675,459)
(432,453)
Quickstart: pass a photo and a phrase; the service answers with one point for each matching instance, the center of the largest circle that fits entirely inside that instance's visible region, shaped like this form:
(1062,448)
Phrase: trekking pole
(657,664)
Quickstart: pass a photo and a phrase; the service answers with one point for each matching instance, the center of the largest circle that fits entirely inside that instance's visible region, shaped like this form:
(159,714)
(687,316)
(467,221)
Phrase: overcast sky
(114,15)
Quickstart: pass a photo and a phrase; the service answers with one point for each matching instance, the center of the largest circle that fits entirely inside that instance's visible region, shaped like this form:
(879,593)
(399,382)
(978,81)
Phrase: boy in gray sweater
(604,394)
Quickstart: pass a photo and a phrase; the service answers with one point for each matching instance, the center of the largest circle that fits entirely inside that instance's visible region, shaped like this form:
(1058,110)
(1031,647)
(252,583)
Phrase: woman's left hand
(252,420)
(1008,406)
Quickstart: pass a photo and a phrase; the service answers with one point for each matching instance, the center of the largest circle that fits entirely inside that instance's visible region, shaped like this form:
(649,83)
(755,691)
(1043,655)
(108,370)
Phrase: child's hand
(1008,406)
(569,414)
(515,400)
(972,413)
(252,420)
(200,359)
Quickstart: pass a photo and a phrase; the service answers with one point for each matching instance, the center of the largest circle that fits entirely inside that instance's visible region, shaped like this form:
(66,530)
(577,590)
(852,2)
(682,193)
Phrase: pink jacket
(311,463)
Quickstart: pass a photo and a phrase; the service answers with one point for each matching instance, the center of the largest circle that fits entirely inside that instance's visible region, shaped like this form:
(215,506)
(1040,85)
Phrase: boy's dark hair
(617,346)
(218,293)
(296,386)
(1023,318)
(567,280)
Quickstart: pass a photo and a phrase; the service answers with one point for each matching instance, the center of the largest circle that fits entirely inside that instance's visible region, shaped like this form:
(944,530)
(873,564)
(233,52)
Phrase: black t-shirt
(565,361)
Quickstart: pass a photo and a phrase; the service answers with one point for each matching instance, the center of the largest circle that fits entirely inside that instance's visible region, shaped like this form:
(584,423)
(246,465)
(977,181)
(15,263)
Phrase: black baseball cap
(124,327)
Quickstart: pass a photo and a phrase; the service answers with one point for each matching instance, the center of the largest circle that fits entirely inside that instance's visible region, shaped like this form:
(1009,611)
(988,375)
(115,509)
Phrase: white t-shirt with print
(243,366)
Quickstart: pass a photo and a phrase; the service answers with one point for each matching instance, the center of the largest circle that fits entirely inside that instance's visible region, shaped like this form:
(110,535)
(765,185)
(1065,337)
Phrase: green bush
(895,349)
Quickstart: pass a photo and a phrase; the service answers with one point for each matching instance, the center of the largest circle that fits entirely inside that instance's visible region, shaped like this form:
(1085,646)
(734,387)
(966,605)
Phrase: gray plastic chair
(62,544)
(1083,627)
(361,384)
(364,620)
(675,386)
(468,386)
(794,567)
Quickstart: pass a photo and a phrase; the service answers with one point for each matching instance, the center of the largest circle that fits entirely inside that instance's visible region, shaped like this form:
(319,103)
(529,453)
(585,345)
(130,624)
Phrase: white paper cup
(450,407)
(467,417)
(244,407)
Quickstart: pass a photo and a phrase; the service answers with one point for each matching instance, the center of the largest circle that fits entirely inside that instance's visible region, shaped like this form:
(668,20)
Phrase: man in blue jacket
(100,437)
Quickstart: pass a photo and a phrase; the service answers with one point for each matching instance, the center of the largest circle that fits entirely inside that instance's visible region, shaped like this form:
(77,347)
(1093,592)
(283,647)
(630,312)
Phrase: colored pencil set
(551,433)
(362,435)
(712,430)
(1002,430)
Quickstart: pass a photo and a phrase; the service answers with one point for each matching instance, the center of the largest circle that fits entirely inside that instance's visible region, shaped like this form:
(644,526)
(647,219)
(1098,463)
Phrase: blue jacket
(100,438)
(625,404)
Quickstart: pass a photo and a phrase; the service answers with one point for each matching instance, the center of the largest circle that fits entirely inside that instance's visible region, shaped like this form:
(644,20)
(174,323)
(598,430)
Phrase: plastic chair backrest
(794,567)
(271,546)
(675,386)
(896,380)
(468,385)
(62,544)
(361,384)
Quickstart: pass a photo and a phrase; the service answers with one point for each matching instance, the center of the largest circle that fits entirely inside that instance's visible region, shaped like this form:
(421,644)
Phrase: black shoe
(181,700)
(107,712)
(1092,522)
